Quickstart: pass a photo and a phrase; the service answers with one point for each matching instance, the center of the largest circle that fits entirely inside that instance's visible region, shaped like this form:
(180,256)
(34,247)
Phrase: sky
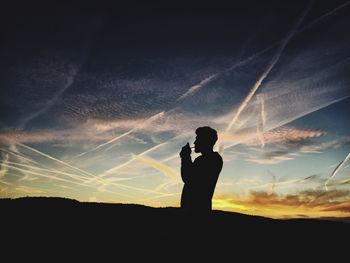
(97,99)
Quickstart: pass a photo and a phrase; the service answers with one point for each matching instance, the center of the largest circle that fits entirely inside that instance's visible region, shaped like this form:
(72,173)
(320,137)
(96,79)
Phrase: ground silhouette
(62,225)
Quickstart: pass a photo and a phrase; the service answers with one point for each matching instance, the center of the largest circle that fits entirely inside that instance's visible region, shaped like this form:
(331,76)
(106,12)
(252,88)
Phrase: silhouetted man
(200,176)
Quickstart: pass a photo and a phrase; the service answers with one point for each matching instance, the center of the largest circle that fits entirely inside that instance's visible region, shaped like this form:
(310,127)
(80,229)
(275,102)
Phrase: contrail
(289,120)
(330,13)
(118,167)
(261,123)
(145,123)
(60,179)
(40,174)
(112,170)
(55,159)
(73,176)
(88,180)
(3,168)
(134,188)
(336,170)
(262,109)
(170,158)
(148,121)
(106,143)
(29,164)
(273,180)
(346,181)
(241,63)
(19,156)
(81,184)
(158,166)
(207,80)
(285,183)
(52,101)
(310,111)
(271,65)
(311,24)
(212,77)
(194,88)
(74,182)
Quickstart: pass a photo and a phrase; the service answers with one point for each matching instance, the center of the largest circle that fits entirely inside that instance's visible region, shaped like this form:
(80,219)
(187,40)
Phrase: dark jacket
(200,179)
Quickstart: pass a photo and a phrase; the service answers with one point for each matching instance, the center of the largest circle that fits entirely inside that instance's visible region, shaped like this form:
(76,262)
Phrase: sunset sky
(97,99)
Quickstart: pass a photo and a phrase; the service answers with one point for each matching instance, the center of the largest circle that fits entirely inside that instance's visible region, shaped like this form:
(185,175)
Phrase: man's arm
(186,163)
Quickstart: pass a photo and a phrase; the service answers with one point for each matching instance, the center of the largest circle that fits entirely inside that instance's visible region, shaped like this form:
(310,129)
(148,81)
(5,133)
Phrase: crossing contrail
(114,169)
(336,170)
(56,160)
(106,143)
(146,122)
(271,65)
(83,183)
(291,119)
(132,159)
(59,179)
(212,77)
(87,179)
(330,13)
(29,163)
(73,176)
(19,156)
(14,167)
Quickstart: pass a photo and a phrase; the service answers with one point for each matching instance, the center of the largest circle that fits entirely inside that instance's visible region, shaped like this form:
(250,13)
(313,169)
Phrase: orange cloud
(310,203)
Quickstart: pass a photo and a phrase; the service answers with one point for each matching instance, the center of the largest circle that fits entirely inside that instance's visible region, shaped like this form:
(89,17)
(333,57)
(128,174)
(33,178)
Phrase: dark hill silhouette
(125,226)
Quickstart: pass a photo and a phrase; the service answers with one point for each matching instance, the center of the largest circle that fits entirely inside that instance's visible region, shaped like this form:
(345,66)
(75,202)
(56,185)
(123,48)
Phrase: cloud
(274,160)
(277,143)
(311,203)
(3,165)
(284,135)
(324,146)
(106,131)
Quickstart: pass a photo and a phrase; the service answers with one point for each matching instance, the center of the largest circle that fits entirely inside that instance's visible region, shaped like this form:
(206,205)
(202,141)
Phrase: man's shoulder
(215,156)
(218,156)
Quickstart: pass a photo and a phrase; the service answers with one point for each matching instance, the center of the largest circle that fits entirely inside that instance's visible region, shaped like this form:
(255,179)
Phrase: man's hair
(208,134)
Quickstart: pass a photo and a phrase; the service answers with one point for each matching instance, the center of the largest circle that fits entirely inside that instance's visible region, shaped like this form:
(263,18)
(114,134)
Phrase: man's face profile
(198,143)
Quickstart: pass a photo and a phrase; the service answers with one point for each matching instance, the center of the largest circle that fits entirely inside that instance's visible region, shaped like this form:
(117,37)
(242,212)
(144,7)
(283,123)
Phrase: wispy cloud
(343,141)
(4,161)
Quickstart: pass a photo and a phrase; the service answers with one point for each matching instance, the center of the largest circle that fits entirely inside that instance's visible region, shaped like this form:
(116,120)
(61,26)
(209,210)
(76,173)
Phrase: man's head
(205,139)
